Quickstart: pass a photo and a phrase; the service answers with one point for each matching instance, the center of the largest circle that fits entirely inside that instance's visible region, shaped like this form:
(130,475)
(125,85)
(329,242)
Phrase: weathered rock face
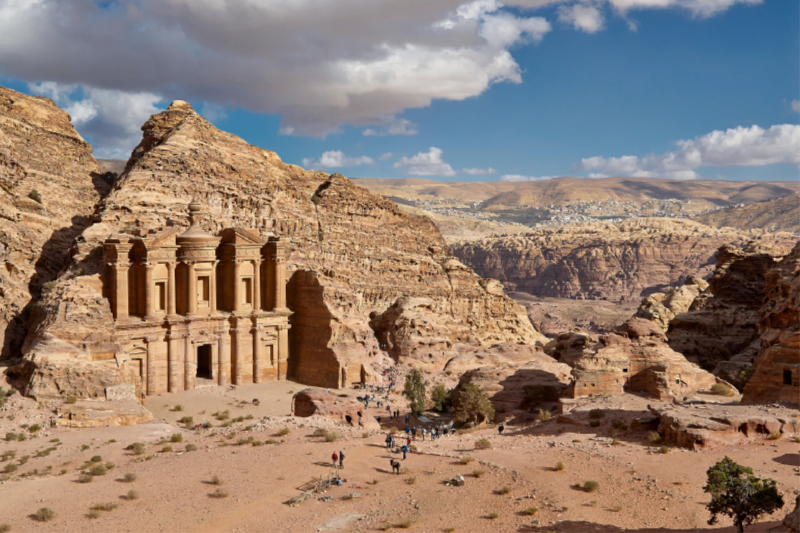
(39,151)
(662,307)
(619,262)
(780,214)
(777,368)
(722,321)
(792,520)
(351,255)
(89,414)
(636,358)
(339,407)
(514,389)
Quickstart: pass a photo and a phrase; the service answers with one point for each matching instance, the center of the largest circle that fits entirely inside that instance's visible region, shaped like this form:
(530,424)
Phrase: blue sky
(528,90)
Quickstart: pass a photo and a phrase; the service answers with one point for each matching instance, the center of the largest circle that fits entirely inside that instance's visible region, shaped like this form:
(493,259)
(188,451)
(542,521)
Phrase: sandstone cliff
(49,184)
(619,262)
(352,254)
(722,321)
(777,368)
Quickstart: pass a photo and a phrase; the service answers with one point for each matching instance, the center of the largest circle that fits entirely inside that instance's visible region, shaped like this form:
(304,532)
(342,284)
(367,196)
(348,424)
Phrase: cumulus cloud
(335,159)
(393,126)
(517,177)
(584,18)
(796,105)
(741,146)
(384,157)
(428,163)
(478,171)
(112,117)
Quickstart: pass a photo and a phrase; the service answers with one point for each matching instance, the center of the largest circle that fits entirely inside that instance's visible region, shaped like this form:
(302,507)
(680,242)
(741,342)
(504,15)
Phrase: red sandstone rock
(661,307)
(339,407)
(39,151)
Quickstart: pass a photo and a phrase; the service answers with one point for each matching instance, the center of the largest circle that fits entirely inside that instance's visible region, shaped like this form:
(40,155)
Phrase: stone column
(212,288)
(276,248)
(258,363)
(214,362)
(224,358)
(149,311)
(236,362)
(192,283)
(151,366)
(283,351)
(257,286)
(237,296)
(188,365)
(174,357)
(121,289)
(171,289)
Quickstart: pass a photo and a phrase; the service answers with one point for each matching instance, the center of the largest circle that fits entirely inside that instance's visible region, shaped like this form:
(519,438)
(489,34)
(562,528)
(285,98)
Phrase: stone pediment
(159,238)
(243,236)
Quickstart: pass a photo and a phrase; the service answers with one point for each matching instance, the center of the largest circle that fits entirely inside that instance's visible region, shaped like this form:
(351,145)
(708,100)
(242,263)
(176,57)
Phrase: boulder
(661,307)
(339,407)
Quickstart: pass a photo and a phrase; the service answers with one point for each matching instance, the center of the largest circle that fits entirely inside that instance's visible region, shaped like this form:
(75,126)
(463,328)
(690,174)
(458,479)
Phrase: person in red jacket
(335,458)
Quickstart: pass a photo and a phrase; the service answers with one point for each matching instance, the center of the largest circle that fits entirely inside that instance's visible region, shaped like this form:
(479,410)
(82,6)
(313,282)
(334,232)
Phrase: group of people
(435,433)
(338,459)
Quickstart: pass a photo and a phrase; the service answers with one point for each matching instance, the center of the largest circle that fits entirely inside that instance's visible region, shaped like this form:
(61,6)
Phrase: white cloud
(384,157)
(796,105)
(336,159)
(741,146)
(584,18)
(478,171)
(698,8)
(112,119)
(517,177)
(428,163)
(393,126)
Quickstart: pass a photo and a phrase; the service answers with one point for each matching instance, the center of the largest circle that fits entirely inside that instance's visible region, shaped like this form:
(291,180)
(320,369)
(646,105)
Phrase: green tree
(440,397)
(472,405)
(737,493)
(414,390)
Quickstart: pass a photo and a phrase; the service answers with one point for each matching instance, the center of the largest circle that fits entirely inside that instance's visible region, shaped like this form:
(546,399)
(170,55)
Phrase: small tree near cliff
(414,390)
(440,397)
(737,493)
(471,404)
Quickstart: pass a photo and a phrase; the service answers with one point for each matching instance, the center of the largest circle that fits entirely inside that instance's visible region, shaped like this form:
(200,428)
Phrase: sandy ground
(640,489)
(555,315)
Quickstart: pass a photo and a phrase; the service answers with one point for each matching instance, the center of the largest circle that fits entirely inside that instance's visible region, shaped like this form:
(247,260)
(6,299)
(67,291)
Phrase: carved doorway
(204,361)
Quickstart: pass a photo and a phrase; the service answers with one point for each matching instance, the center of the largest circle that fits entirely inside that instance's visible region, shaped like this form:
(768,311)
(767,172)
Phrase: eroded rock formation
(635,358)
(339,407)
(49,184)
(351,255)
(619,262)
(722,321)
(661,307)
(777,368)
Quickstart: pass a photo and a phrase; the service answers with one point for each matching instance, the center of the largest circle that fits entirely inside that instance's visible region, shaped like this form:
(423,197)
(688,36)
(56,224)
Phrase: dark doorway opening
(204,361)
(787,377)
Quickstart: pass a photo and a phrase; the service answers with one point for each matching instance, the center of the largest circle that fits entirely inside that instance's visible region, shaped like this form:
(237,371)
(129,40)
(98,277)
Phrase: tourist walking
(388,441)
(335,459)
(414,433)
(405,451)
(341,459)
(406,418)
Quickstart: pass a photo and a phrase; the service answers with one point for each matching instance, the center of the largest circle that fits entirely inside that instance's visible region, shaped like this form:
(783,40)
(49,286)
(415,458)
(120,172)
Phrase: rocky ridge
(41,156)
(620,262)
(352,255)
(780,214)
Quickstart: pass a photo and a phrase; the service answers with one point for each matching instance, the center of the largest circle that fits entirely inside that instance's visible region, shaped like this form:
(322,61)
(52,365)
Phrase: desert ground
(640,488)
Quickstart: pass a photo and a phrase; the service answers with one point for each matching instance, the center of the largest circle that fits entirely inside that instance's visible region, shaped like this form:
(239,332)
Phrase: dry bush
(94,514)
(191,448)
(775,435)
(132,495)
(331,437)
(411,480)
(504,490)
(85,478)
(467,459)
(216,481)
(544,415)
(98,470)
(10,468)
(721,389)
(319,432)
(44,514)
(530,511)
(405,524)
(137,448)
(176,437)
(166,449)
(130,477)
(492,516)
(177,408)
(483,444)
(478,473)
(654,437)
(72,399)
(560,467)
(5,528)
(219,493)
(109,506)
(283,432)
(96,459)
(591,486)
(664,449)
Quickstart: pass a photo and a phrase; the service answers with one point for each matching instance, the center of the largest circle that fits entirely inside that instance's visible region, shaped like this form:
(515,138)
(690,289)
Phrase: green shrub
(591,486)
(720,389)
(85,447)
(85,478)
(664,449)
(98,470)
(619,424)
(331,437)
(130,477)
(465,460)
(166,449)
(108,506)
(49,286)
(176,437)
(137,448)
(96,459)
(478,473)
(560,466)
(191,448)
(654,437)
(492,516)
(5,528)
(45,514)
(72,399)
(35,196)
(186,420)
(10,467)
(440,397)
(483,444)
(178,407)
(530,511)
(504,490)
(24,459)
(132,495)
(775,435)
(544,415)
(34,428)
(11,436)
(283,432)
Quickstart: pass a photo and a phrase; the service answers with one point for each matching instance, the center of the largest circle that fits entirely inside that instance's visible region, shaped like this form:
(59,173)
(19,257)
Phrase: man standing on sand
(335,459)
(405,451)
(388,440)
(341,459)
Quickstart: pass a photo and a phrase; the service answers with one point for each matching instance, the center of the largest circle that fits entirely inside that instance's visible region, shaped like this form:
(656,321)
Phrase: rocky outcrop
(49,184)
(637,358)
(722,321)
(351,255)
(792,520)
(515,390)
(619,262)
(777,368)
(780,214)
(707,426)
(338,407)
(661,307)
(89,414)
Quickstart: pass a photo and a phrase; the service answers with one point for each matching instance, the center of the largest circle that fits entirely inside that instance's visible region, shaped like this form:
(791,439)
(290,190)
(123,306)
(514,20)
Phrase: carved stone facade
(192,306)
